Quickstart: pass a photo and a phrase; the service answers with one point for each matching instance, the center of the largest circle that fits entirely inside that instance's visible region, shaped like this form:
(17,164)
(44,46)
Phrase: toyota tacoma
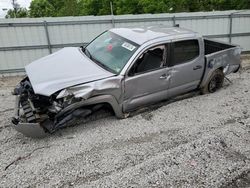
(123,69)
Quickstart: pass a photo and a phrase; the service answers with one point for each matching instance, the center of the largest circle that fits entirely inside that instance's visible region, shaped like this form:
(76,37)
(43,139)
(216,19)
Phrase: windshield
(111,51)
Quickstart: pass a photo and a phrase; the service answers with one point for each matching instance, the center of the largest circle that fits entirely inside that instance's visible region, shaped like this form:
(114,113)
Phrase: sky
(7,4)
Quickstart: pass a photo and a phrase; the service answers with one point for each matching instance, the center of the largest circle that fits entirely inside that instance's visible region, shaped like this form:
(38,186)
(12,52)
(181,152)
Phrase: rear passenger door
(186,66)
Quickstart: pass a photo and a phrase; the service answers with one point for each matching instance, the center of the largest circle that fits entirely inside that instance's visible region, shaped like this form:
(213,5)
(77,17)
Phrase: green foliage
(68,8)
(127,7)
(94,7)
(42,8)
(17,13)
(52,8)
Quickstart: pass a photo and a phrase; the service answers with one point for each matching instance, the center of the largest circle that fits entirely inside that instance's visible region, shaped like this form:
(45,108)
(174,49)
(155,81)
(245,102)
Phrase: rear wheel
(214,83)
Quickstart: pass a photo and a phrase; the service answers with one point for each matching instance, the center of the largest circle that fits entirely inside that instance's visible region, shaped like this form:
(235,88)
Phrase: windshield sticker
(109,47)
(128,46)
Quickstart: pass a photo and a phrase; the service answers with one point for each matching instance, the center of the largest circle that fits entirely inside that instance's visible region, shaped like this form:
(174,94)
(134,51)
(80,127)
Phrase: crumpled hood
(65,68)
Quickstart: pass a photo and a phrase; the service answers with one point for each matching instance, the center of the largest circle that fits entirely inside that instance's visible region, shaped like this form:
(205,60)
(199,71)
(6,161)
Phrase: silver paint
(63,69)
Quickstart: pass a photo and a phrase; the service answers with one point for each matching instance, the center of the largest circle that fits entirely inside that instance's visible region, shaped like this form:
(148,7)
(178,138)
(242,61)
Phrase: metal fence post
(113,22)
(174,21)
(47,36)
(230,27)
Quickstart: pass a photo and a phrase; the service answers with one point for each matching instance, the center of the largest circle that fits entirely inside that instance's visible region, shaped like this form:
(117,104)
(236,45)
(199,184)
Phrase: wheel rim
(215,83)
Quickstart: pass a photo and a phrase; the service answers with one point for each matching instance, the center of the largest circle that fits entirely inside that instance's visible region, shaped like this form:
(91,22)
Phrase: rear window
(185,51)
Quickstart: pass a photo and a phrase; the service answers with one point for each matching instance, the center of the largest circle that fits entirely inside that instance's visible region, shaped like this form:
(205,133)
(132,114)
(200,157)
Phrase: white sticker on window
(128,46)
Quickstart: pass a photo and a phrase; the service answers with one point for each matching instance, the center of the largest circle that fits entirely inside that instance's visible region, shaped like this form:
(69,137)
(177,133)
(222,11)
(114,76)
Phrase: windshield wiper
(86,51)
(103,65)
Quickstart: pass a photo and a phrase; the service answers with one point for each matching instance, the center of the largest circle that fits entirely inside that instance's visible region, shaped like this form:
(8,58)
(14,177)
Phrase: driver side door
(147,80)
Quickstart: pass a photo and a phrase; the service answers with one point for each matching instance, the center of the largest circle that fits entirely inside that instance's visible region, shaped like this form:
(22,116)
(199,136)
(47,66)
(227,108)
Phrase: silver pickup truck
(122,69)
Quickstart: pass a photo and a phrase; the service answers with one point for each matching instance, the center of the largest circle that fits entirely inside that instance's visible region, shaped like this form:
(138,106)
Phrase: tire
(214,83)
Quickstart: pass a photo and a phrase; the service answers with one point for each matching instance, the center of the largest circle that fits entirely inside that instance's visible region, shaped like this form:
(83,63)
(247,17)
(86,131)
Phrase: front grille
(28,112)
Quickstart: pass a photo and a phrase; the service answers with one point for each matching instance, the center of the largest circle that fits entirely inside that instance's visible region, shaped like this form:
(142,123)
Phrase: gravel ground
(192,141)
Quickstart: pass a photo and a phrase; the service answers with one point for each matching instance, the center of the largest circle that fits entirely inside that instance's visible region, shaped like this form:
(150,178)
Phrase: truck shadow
(146,110)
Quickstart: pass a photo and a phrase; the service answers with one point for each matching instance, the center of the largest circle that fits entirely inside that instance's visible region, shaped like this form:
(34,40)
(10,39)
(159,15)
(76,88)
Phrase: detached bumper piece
(33,130)
(29,128)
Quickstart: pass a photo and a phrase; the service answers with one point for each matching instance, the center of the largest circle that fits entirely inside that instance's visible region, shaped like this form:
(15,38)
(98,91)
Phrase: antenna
(111,8)
(112,13)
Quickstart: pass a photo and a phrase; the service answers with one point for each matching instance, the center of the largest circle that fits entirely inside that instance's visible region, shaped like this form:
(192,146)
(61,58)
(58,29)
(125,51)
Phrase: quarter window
(184,51)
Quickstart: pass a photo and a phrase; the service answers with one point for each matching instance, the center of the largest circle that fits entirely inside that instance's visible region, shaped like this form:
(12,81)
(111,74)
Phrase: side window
(151,59)
(184,51)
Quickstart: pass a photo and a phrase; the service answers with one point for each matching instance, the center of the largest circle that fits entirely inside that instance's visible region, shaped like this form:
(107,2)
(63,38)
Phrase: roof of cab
(141,35)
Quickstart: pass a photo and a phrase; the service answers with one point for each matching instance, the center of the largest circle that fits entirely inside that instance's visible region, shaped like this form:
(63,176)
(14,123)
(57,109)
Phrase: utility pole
(15,6)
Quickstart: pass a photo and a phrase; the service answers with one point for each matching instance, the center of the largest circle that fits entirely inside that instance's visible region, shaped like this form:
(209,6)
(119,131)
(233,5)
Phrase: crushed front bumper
(34,130)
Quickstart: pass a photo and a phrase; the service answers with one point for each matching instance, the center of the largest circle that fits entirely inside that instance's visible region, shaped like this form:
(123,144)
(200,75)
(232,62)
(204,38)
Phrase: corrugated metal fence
(24,40)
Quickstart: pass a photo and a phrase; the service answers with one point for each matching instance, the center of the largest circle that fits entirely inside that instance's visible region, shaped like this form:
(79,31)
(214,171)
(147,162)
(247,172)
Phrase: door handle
(197,67)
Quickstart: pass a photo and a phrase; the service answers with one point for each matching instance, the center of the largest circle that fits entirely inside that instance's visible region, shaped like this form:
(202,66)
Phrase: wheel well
(100,106)
(94,101)
(204,87)
(108,106)
(221,68)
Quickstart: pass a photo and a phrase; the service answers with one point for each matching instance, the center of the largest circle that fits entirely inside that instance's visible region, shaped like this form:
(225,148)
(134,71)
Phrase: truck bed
(212,46)
(219,55)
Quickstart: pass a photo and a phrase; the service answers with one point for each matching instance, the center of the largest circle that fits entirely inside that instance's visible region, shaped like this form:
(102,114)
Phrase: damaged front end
(37,115)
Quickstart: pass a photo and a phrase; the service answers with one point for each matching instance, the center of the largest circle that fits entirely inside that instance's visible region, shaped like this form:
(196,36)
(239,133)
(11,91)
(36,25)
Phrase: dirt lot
(196,141)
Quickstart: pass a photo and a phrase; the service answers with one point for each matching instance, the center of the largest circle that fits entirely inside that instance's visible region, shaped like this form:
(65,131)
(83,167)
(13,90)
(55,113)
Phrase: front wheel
(214,83)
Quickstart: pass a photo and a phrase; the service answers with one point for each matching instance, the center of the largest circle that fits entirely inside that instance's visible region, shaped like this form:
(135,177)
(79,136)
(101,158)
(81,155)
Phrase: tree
(95,7)
(127,7)
(51,8)
(69,8)
(41,8)
(20,13)
(17,11)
